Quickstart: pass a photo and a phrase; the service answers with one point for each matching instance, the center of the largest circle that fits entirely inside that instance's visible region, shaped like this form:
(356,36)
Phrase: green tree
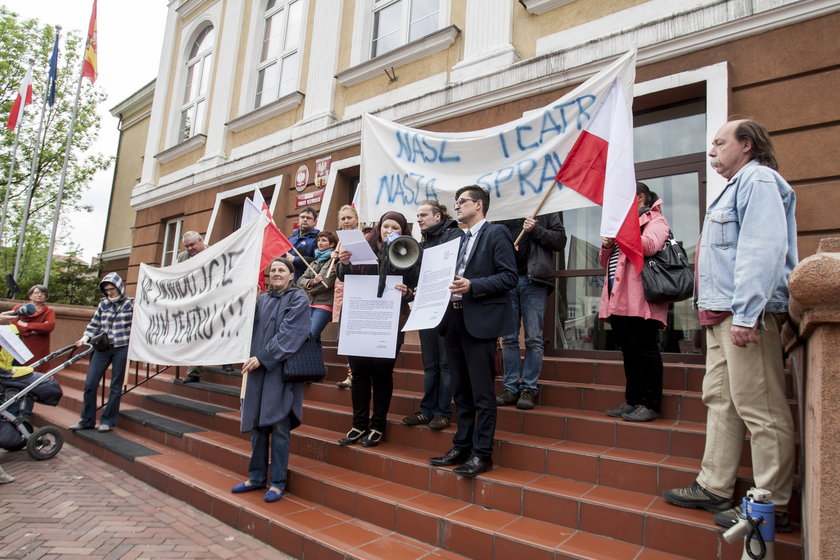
(20,40)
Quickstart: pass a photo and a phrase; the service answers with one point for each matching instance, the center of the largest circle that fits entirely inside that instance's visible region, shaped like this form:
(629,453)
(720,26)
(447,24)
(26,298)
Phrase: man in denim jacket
(746,252)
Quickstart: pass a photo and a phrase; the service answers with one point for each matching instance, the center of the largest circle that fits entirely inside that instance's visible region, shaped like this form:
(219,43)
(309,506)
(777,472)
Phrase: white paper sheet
(436,274)
(14,345)
(369,324)
(354,241)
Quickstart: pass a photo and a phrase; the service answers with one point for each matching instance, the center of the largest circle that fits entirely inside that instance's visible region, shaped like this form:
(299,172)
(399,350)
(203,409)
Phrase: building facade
(270,93)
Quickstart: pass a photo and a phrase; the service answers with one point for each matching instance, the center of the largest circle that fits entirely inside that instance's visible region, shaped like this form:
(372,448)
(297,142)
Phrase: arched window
(199,64)
(277,70)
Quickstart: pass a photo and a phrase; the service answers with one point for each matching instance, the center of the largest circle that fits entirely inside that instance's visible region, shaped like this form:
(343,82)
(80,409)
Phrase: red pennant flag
(89,69)
(600,167)
(24,98)
(275,244)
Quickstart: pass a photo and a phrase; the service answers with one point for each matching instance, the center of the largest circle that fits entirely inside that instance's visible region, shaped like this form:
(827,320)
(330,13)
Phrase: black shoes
(526,400)
(192,379)
(453,457)
(507,398)
(474,467)
(354,435)
(439,422)
(416,419)
(372,439)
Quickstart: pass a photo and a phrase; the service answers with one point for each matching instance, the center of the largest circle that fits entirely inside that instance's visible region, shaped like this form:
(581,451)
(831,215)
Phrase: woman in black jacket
(374,376)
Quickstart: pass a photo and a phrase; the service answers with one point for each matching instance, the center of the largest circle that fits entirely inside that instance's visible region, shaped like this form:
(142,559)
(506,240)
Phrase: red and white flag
(275,244)
(24,98)
(600,167)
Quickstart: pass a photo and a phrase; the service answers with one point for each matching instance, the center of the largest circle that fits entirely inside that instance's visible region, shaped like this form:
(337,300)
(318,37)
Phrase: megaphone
(404,252)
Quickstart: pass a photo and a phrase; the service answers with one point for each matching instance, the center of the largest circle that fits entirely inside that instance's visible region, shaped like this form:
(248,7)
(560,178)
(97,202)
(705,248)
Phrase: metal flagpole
(67,151)
(33,168)
(12,166)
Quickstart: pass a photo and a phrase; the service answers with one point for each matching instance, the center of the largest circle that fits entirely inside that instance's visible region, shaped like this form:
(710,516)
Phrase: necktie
(462,253)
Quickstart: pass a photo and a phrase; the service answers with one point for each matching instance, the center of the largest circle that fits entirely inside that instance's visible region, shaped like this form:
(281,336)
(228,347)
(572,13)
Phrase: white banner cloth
(515,161)
(200,311)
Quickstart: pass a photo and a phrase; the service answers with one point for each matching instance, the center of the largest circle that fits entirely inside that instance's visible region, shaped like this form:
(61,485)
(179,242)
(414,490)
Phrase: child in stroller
(18,384)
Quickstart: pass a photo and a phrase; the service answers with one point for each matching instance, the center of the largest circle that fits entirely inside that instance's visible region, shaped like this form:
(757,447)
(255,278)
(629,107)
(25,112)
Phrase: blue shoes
(272,496)
(245,487)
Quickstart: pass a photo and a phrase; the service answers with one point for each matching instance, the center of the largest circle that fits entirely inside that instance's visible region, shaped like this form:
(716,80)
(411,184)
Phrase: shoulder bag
(307,364)
(667,276)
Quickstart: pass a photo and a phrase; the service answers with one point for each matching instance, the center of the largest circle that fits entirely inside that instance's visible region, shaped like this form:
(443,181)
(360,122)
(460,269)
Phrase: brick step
(294,525)
(546,511)
(663,436)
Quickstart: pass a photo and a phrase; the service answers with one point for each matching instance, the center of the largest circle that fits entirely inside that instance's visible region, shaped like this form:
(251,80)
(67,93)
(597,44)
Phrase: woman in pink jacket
(634,321)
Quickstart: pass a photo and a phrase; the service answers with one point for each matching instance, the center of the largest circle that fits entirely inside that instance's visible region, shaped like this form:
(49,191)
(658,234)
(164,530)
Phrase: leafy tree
(20,40)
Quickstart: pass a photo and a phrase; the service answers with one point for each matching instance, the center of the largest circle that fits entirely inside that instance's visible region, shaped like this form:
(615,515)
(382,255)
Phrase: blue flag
(53,71)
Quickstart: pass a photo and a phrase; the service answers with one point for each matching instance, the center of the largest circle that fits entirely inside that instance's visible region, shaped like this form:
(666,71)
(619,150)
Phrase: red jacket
(627,298)
(36,333)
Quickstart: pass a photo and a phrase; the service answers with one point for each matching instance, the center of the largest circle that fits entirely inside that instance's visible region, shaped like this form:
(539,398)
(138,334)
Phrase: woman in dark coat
(271,408)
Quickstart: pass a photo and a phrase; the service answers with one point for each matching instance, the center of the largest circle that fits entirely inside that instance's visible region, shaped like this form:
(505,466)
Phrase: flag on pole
(275,244)
(53,76)
(600,167)
(24,98)
(89,66)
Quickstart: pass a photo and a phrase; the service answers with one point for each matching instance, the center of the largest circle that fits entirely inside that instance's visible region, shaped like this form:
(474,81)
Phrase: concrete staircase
(569,482)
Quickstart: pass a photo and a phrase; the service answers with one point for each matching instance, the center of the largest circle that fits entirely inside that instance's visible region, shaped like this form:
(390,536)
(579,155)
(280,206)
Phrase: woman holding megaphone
(373,377)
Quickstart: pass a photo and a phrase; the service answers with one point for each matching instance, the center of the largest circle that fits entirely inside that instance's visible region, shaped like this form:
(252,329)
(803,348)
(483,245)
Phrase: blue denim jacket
(748,247)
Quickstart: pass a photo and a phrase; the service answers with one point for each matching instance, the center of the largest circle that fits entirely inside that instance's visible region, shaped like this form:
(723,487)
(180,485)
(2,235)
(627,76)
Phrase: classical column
(319,104)
(487,39)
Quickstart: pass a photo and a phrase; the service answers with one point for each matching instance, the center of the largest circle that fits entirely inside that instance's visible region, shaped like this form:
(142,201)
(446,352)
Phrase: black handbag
(307,364)
(666,277)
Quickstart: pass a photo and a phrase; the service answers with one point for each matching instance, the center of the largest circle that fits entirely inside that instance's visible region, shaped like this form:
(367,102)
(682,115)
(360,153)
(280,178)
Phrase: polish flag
(275,244)
(600,167)
(24,98)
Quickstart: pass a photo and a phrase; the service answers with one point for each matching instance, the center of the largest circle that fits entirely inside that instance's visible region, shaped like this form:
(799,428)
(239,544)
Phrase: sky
(130,35)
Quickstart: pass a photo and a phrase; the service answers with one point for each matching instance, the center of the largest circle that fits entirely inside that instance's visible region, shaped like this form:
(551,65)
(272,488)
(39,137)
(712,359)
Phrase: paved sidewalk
(76,506)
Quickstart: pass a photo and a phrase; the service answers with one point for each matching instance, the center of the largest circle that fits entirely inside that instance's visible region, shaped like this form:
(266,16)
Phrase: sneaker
(5,477)
(105,428)
(347,382)
(416,419)
(79,426)
(526,399)
(623,409)
(507,398)
(697,497)
(439,422)
(730,517)
(640,414)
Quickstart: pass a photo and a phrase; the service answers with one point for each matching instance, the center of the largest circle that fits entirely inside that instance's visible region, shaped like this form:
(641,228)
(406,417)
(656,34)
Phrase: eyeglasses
(110,289)
(460,201)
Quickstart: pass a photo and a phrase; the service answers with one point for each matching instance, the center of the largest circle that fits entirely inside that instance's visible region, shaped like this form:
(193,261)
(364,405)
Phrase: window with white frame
(172,241)
(397,22)
(277,70)
(197,83)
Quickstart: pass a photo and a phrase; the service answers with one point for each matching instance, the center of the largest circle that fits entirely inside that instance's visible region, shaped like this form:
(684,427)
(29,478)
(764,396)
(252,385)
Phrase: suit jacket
(488,310)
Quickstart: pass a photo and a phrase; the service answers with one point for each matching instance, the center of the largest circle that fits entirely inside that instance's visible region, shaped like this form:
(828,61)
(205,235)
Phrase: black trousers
(472,368)
(642,360)
(371,375)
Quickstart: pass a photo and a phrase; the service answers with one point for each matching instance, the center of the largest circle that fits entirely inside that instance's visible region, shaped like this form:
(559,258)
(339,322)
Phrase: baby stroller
(15,430)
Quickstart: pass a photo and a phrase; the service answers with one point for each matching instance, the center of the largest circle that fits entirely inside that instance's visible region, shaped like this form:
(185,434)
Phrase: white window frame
(283,6)
(363,27)
(276,182)
(189,33)
(172,241)
(198,64)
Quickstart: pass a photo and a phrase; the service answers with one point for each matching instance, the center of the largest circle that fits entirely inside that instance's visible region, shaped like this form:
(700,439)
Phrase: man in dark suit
(480,311)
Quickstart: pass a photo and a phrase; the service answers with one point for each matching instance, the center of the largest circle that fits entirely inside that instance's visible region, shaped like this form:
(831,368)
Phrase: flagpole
(13,163)
(537,211)
(67,151)
(31,186)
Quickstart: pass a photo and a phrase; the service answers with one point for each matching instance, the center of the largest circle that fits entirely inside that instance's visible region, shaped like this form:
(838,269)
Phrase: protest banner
(200,311)
(516,161)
